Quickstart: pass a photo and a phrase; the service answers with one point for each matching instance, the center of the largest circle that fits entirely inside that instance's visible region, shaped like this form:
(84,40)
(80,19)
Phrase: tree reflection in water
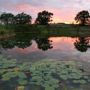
(44,43)
(20,41)
(24,41)
(82,44)
(10,43)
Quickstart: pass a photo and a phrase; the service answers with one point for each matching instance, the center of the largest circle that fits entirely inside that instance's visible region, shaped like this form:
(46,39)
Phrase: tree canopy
(44,17)
(23,18)
(82,17)
(7,18)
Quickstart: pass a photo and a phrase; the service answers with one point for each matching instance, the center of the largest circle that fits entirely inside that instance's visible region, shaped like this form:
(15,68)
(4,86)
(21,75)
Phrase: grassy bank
(5,30)
(64,30)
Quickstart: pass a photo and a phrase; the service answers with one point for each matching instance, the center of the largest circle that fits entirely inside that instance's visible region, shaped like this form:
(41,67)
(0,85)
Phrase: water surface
(44,48)
(37,48)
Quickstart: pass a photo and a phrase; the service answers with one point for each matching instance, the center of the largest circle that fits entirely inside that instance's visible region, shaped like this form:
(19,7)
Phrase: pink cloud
(60,15)
(64,10)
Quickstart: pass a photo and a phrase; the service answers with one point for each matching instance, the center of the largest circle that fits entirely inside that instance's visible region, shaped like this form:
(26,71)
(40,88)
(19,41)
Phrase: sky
(63,10)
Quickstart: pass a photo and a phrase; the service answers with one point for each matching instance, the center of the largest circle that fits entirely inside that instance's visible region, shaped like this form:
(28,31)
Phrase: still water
(51,66)
(58,48)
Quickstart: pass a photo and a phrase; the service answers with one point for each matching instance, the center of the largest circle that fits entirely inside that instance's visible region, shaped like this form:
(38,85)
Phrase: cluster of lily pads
(49,74)
(52,74)
(10,70)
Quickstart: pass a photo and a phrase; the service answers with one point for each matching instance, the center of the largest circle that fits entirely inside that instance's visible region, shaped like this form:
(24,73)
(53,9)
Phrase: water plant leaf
(22,81)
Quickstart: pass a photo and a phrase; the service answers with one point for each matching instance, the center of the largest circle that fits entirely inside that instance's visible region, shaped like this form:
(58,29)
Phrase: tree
(82,17)
(7,18)
(23,18)
(44,17)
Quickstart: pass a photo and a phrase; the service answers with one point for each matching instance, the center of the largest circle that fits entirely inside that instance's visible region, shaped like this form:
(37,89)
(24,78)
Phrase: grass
(5,30)
(61,30)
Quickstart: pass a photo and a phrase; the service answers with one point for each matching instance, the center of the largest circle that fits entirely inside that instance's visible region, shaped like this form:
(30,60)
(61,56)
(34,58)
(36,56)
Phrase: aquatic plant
(49,74)
(9,69)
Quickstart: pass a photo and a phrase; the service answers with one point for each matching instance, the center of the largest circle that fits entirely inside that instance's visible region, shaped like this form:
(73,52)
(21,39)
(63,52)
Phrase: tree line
(43,18)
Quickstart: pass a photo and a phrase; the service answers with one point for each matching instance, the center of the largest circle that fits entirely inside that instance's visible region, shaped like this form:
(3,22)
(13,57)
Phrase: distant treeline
(43,18)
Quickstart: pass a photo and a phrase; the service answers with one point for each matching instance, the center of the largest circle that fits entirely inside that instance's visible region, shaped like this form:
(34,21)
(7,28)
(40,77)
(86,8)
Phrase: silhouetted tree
(23,18)
(43,43)
(82,44)
(82,17)
(44,18)
(7,18)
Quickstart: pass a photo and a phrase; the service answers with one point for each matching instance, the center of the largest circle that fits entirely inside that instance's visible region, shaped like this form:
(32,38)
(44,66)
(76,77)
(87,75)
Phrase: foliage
(82,17)
(23,18)
(7,18)
(44,18)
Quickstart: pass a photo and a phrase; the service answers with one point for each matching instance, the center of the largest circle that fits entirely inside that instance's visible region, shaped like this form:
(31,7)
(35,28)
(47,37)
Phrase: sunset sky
(64,10)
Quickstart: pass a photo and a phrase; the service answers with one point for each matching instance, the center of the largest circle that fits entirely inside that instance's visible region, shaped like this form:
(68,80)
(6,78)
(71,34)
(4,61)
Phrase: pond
(44,62)
(34,48)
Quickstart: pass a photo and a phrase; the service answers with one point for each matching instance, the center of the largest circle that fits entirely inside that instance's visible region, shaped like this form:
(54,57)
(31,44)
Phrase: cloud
(64,10)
